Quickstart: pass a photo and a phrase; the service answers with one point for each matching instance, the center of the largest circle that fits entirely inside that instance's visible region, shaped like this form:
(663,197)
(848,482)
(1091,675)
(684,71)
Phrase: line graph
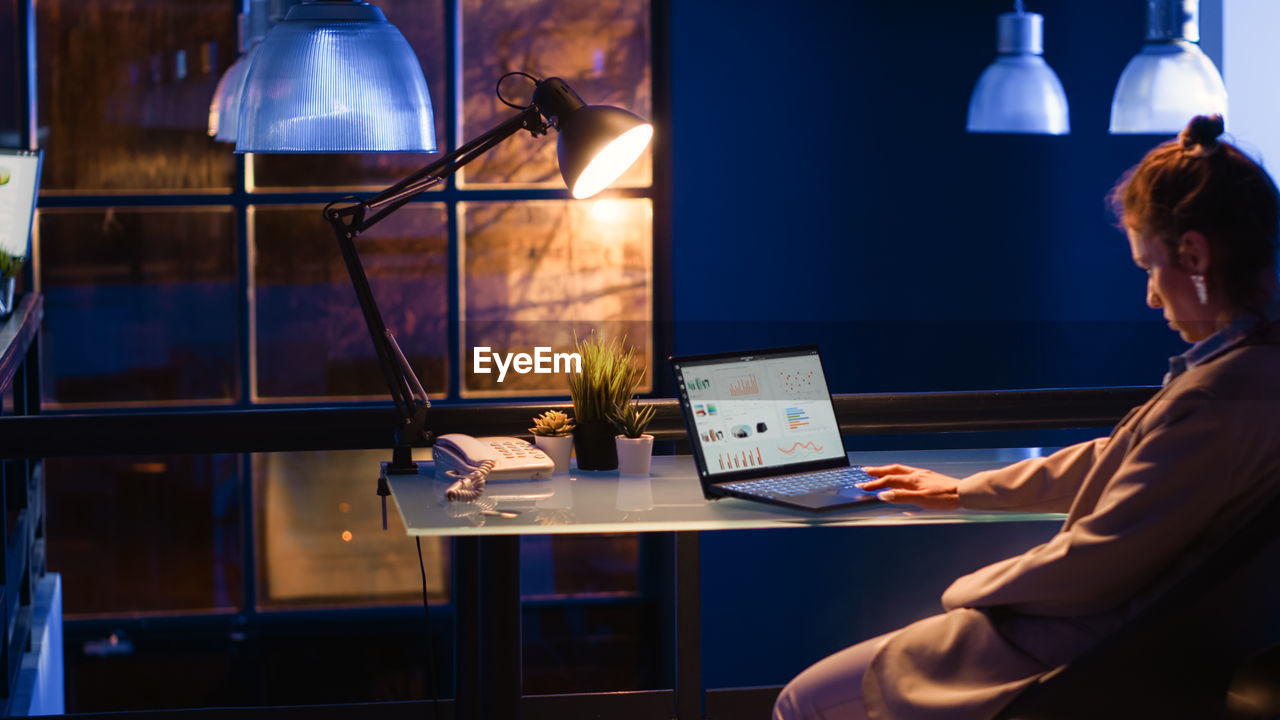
(802,450)
(800,446)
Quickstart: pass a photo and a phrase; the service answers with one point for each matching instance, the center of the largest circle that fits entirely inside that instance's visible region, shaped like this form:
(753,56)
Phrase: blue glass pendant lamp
(225,107)
(1170,80)
(1019,92)
(224,111)
(334,77)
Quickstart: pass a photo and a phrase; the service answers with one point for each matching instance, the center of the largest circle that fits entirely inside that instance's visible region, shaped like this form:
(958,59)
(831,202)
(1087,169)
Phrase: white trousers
(830,689)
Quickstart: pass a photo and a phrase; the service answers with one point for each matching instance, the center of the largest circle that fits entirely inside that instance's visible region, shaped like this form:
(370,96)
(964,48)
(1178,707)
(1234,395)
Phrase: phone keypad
(515,449)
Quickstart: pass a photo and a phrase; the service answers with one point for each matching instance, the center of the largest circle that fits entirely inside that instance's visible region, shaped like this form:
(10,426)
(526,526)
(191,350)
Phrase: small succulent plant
(552,423)
(632,418)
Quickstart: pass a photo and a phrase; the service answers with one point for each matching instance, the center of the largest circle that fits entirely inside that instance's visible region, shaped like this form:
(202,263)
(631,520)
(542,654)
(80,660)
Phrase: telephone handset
(511,458)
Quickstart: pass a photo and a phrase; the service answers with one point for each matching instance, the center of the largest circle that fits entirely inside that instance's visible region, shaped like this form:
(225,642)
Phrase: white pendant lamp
(1019,92)
(1170,80)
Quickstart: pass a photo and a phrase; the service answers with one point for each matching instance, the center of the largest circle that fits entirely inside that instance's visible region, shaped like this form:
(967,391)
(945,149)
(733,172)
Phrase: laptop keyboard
(802,483)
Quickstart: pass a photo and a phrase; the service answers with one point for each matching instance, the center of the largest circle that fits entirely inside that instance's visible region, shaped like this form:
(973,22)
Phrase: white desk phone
(470,461)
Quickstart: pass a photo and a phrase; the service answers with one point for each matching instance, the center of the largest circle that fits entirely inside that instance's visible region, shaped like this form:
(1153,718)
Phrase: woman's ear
(1193,252)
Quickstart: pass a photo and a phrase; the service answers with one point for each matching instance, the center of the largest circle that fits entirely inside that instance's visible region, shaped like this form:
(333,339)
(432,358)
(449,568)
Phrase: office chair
(1216,629)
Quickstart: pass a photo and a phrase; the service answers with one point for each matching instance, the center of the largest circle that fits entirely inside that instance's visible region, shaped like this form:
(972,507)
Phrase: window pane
(125,87)
(599,47)
(422,24)
(311,338)
(554,566)
(322,541)
(140,305)
(11,76)
(145,534)
(537,274)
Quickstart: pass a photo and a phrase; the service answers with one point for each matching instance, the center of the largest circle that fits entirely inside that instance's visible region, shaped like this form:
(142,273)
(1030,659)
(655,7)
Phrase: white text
(541,362)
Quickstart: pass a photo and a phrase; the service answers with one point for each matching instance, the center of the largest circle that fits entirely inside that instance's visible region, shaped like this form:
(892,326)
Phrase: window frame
(451,195)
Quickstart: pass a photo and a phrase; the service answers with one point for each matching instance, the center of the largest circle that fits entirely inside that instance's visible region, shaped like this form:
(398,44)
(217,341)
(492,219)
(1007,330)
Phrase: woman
(1202,220)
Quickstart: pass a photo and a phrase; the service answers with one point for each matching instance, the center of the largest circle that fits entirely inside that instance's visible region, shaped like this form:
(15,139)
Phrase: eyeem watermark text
(541,362)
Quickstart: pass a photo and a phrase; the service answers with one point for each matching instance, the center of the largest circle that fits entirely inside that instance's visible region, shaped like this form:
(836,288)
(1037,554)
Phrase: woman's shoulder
(1251,371)
(1266,335)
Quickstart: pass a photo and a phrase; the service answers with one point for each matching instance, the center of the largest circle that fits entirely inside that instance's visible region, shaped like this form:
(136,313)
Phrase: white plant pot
(635,492)
(634,454)
(7,286)
(559,449)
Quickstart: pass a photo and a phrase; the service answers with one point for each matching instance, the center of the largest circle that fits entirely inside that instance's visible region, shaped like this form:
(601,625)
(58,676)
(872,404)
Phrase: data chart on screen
(761,412)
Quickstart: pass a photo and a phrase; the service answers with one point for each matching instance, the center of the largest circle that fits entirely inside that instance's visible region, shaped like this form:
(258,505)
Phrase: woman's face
(1169,288)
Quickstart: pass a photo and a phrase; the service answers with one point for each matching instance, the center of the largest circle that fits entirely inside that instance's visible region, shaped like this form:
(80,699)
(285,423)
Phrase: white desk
(487,593)
(670,499)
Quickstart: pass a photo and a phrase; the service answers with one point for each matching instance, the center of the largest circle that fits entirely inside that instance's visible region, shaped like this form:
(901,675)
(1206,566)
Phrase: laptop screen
(19,179)
(758,413)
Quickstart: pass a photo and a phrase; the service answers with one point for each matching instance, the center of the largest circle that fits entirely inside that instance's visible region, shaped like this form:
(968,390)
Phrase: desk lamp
(335,76)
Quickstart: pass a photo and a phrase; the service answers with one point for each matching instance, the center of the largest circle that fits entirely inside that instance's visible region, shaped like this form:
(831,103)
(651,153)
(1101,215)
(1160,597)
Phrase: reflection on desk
(670,498)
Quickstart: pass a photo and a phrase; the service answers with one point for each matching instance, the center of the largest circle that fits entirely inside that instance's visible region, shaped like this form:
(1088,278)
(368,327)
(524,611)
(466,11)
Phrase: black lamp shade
(597,142)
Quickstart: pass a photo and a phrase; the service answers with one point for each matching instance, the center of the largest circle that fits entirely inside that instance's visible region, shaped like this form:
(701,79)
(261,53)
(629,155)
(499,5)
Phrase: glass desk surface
(670,498)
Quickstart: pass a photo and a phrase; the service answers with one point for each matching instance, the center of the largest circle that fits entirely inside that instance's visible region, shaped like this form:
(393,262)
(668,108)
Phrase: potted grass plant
(608,377)
(633,444)
(553,434)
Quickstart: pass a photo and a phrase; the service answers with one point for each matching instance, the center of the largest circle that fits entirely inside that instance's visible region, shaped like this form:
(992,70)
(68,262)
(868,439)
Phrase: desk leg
(489,648)
(688,627)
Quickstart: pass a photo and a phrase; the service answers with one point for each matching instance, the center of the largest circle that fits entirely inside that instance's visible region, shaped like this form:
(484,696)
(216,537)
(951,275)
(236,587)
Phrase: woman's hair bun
(1202,131)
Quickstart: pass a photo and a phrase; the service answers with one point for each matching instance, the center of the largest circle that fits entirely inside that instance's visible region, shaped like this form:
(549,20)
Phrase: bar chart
(796,418)
(744,386)
(740,459)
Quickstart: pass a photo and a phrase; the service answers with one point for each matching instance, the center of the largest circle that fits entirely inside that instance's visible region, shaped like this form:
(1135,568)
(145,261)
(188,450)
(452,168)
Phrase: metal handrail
(351,428)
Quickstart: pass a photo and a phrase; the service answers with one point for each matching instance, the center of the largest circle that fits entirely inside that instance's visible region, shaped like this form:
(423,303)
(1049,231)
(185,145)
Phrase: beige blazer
(1187,466)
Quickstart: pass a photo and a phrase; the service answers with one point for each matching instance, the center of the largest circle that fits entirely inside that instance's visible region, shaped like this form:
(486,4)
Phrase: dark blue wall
(825,191)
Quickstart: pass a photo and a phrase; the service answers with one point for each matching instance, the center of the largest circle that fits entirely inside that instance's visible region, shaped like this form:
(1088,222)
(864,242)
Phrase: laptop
(762,427)
(19,180)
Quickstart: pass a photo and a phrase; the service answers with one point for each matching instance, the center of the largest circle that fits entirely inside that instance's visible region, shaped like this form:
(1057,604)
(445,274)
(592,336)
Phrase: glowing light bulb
(612,160)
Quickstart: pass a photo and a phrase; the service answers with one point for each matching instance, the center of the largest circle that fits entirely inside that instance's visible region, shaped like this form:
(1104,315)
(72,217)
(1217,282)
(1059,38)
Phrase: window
(177,274)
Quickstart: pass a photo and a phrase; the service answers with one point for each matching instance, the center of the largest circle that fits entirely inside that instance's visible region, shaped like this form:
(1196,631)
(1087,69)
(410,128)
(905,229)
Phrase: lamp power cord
(497,88)
(431,661)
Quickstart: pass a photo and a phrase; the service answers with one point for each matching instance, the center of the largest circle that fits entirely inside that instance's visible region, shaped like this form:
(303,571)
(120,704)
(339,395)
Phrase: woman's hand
(914,486)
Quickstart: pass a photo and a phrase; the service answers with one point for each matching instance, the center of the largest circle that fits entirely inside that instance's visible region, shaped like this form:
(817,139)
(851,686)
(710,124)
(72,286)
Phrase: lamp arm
(389,200)
(351,220)
(413,414)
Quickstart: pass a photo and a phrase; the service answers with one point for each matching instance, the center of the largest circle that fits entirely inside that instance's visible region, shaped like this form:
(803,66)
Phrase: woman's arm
(1045,484)
(1166,491)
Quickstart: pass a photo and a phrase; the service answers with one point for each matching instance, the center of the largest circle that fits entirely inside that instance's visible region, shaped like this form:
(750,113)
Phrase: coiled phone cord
(470,485)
